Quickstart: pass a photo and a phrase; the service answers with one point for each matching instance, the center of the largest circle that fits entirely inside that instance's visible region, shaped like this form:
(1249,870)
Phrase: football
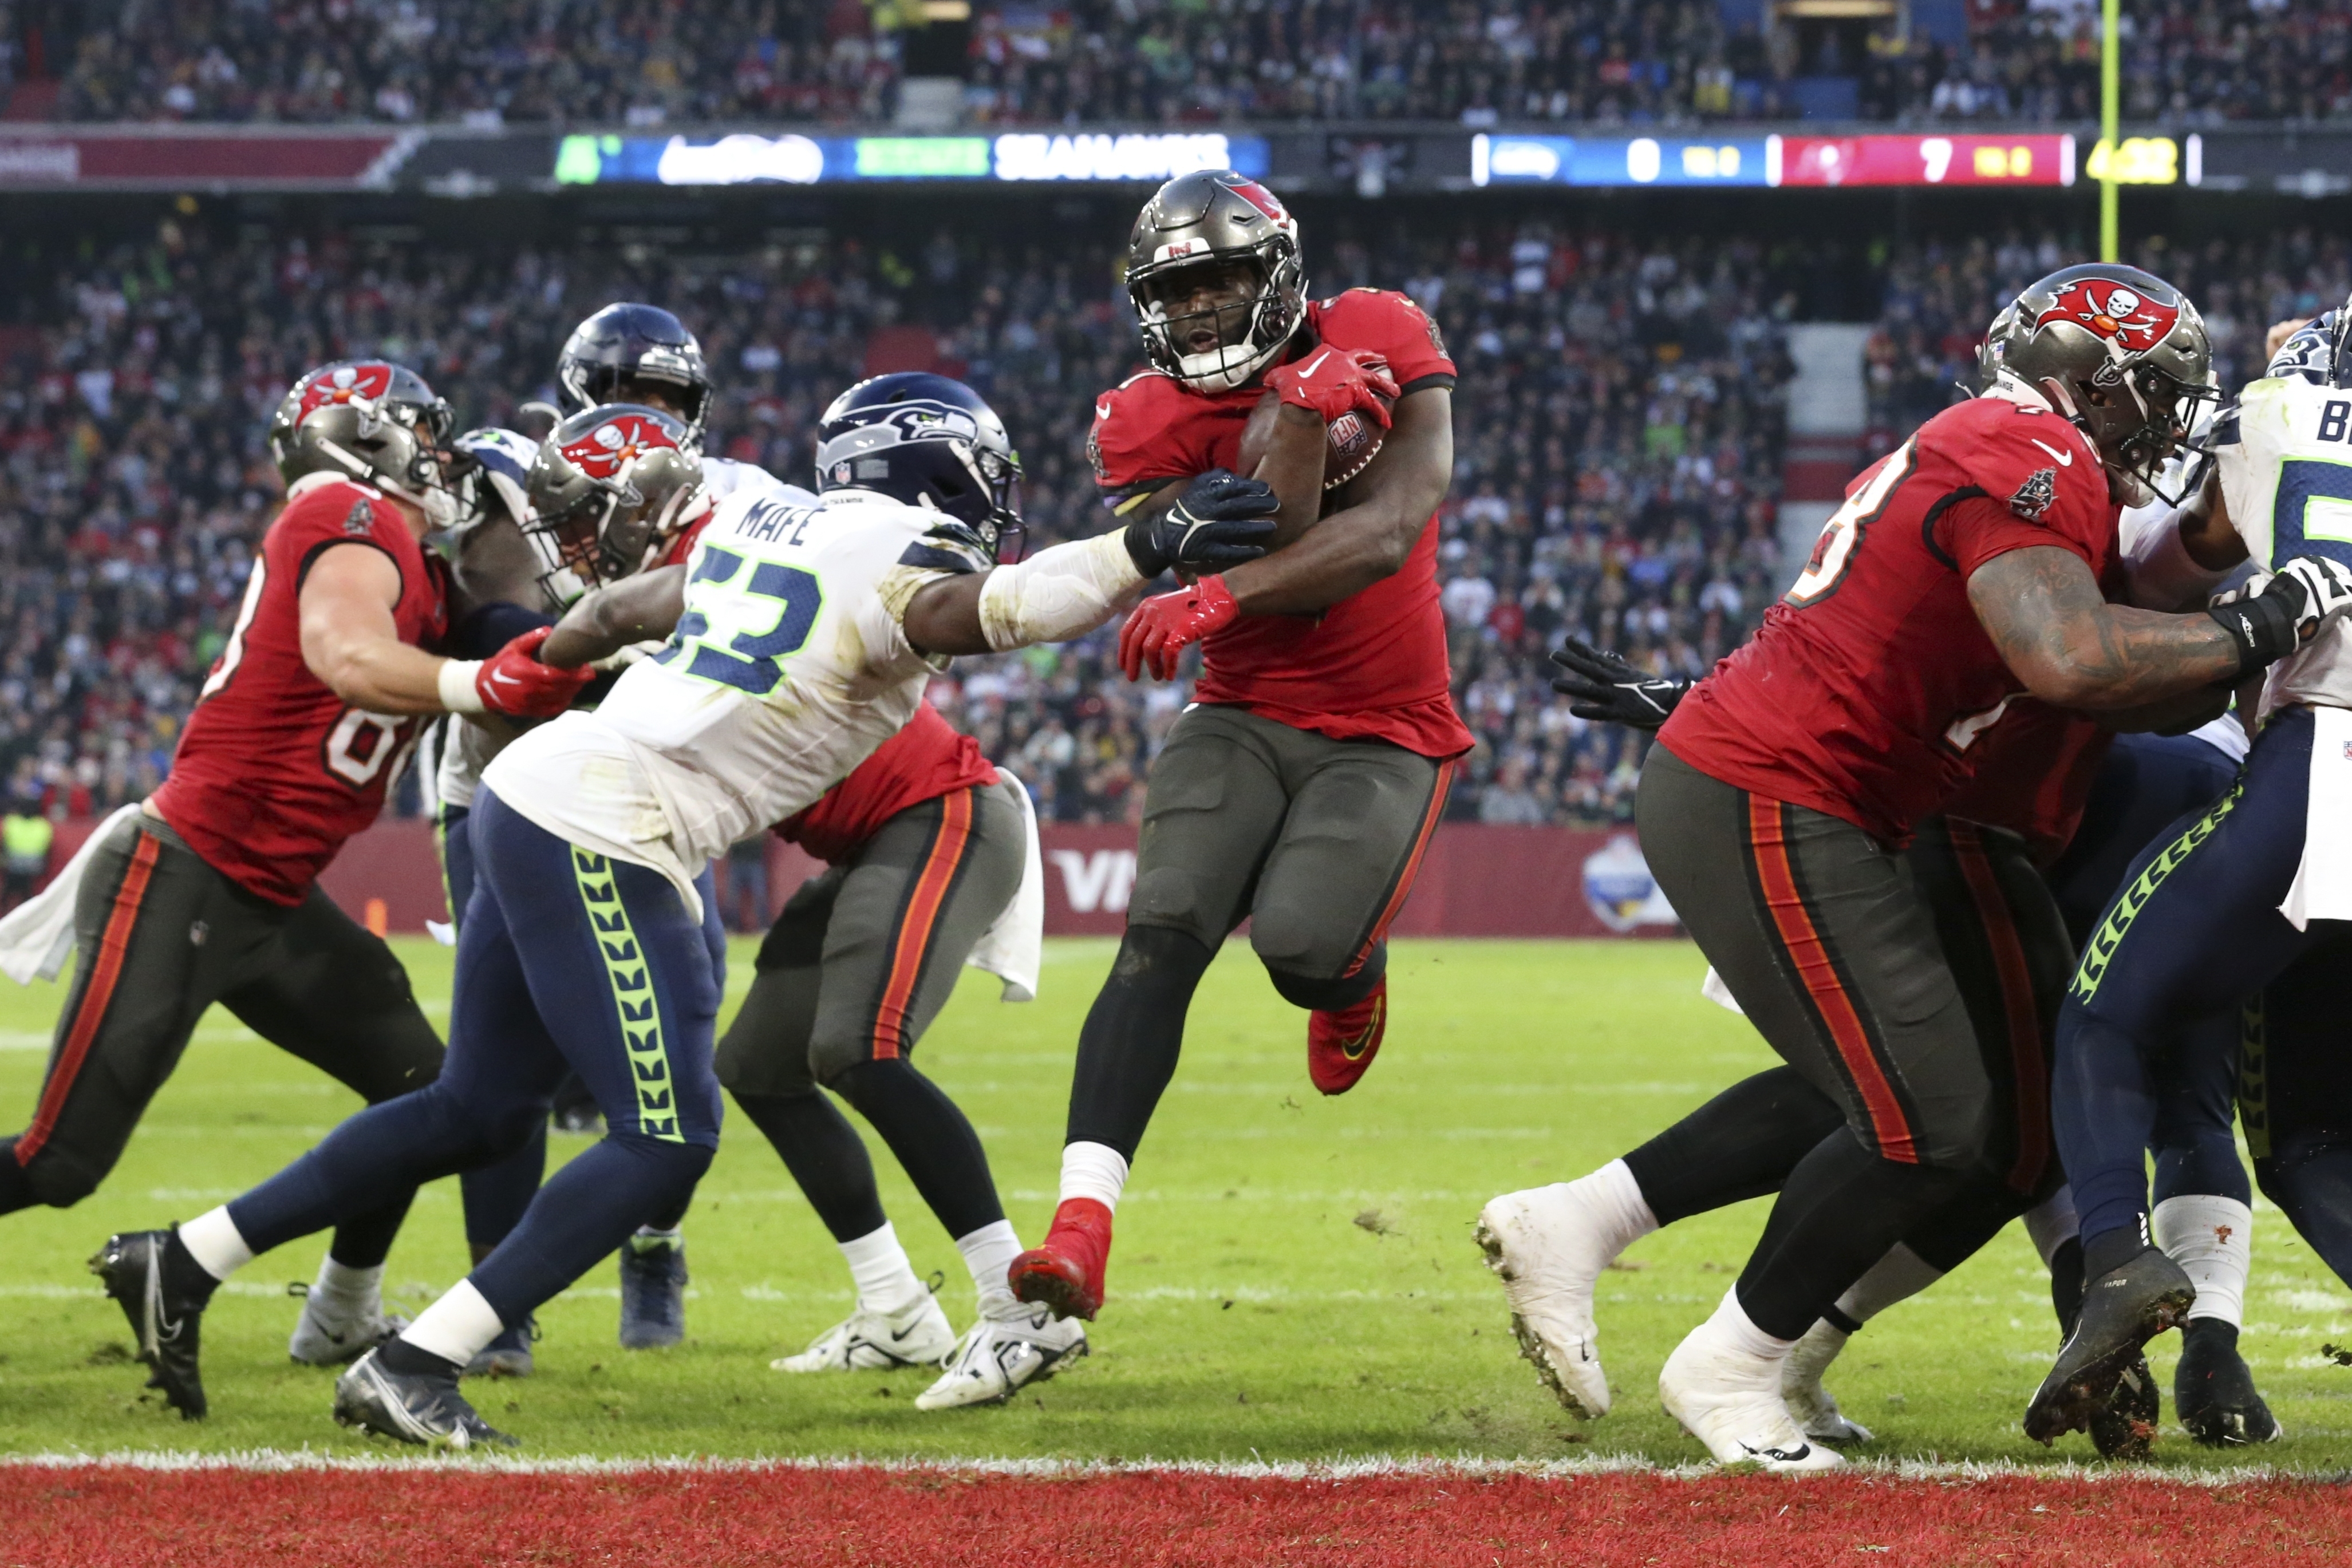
(1355,441)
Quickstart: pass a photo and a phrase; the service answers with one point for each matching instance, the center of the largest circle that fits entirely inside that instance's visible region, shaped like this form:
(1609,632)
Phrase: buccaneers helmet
(1215,219)
(606,492)
(2119,352)
(369,421)
(624,344)
(926,441)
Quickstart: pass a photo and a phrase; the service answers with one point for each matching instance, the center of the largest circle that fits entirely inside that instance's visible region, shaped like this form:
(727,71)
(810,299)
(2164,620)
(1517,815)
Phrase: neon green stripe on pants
(632,996)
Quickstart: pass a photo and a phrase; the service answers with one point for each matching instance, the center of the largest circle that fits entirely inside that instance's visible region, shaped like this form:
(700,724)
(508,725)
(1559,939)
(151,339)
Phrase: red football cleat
(1340,1045)
(1064,1271)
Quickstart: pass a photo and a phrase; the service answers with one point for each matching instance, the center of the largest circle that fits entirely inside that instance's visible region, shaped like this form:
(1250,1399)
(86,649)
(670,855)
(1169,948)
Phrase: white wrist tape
(2160,572)
(1058,594)
(458,693)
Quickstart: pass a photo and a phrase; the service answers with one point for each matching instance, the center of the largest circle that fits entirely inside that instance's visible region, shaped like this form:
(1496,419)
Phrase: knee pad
(828,1059)
(670,1171)
(1170,898)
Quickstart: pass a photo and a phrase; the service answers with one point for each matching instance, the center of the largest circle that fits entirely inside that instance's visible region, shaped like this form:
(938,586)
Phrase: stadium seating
(1620,448)
(607,62)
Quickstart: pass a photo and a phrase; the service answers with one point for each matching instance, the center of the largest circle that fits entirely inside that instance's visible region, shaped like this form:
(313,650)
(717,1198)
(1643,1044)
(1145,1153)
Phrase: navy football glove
(1608,690)
(1221,520)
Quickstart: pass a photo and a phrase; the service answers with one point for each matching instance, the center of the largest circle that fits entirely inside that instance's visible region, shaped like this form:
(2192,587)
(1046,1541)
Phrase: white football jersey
(724,476)
(787,670)
(2286,475)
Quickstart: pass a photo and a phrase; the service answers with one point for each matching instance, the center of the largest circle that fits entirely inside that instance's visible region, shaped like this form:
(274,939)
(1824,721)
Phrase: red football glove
(1330,382)
(1162,628)
(513,681)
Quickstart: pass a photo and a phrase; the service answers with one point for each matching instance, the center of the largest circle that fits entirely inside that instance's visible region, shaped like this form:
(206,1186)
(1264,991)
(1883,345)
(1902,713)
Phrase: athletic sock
(344,1295)
(457,1328)
(1094,1171)
(2103,1254)
(15,1186)
(1739,1332)
(1132,1036)
(1897,1277)
(212,1241)
(649,1237)
(989,1253)
(2066,1283)
(2211,1238)
(1614,1198)
(825,1156)
(886,1280)
(932,1138)
(399,1356)
(1842,1210)
(1740,1144)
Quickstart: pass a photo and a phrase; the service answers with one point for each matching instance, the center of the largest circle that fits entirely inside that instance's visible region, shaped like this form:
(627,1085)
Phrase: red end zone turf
(99,1516)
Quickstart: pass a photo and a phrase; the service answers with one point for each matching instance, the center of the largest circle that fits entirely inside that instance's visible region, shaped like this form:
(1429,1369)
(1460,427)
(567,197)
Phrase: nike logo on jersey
(2064,459)
(1102,411)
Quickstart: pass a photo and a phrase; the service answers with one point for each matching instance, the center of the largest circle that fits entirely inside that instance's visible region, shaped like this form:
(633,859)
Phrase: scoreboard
(1930,158)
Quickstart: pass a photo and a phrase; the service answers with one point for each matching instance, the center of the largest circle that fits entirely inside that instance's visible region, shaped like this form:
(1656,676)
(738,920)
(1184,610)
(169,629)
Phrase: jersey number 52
(739,629)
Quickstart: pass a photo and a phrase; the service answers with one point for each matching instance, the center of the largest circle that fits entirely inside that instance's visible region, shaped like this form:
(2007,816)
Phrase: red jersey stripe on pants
(89,1007)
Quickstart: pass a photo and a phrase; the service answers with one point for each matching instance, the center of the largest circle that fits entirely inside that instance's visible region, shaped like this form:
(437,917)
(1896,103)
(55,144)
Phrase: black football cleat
(413,1407)
(2213,1388)
(2124,1427)
(166,1308)
(2122,1311)
(652,1292)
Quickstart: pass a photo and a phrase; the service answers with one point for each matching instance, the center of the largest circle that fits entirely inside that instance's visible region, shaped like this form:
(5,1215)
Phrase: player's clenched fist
(1331,381)
(1162,628)
(1222,519)
(512,681)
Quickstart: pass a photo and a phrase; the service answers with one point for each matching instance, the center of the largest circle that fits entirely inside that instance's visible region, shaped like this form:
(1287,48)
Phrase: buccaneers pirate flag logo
(2121,314)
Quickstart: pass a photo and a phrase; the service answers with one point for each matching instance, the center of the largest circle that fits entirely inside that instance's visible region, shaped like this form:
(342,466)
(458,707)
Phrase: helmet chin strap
(439,506)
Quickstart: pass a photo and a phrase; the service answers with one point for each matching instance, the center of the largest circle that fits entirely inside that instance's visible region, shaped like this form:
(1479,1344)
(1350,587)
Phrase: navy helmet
(927,441)
(626,349)
(490,470)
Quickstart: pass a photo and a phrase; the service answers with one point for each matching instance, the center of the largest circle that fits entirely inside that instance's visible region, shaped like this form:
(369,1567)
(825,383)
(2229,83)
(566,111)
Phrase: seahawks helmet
(2119,353)
(607,491)
(1220,219)
(369,421)
(489,470)
(623,345)
(927,441)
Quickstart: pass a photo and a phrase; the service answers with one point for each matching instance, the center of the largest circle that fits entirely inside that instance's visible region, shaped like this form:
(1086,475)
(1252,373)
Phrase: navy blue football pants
(565,960)
(496,1195)
(2295,1097)
(2193,932)
(2146,784)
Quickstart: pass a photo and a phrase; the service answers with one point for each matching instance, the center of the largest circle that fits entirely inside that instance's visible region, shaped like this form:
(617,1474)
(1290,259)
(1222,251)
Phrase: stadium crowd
(655,61)
(1618,459)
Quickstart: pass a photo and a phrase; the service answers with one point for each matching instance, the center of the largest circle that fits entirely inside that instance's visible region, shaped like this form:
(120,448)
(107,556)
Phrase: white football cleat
(999,1354)
(868,1341)
(324,1338)
(1548,1247)
(1729,1399)
(1814,1408)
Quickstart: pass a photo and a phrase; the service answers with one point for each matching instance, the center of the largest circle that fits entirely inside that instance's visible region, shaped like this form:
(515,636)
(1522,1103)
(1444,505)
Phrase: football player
(1300,786)
(209,892)
(2227,903)
(642,354)
(804,637)
(1778,807)
(620,485)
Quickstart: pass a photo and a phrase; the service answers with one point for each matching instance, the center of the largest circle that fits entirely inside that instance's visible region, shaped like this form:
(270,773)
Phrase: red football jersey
(274,770)
(1374,663)
(2031,773)
(927,759)
(1865,688)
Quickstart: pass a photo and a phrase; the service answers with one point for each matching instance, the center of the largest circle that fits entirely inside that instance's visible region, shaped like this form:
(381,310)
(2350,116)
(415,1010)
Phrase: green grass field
(1295,1278)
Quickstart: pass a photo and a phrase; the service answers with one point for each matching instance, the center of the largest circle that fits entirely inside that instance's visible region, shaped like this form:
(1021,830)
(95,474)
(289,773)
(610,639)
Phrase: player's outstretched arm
(1352,550)
(643,608)
(351,642)
(2044,613)
(1220,521)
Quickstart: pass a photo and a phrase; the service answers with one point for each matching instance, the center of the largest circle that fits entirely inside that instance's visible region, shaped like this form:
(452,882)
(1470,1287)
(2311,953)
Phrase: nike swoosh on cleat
(1803,1451)
(2064,459)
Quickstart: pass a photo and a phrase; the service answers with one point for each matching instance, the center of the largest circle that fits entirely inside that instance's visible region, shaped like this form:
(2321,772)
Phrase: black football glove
(1220,521)
(1608,690)
(2286,612)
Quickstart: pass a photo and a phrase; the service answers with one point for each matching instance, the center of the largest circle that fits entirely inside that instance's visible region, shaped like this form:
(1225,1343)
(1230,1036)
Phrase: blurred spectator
(744,898)
(25,838)
(1475,62)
